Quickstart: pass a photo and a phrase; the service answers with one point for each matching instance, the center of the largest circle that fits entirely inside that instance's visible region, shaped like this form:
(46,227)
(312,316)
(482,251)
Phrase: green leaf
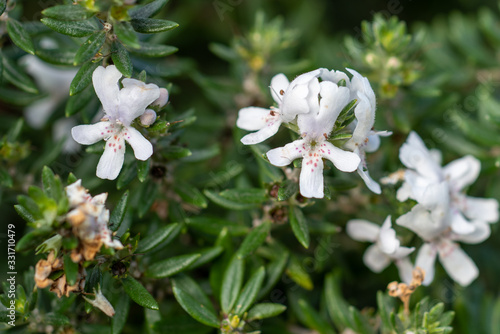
(122,306)
(70,269)
(70,28)
(249,293)
(15,130)
(19,36)
(49,183)
(153,50)
(190,194)
(254,239)
(226,203)
(297,273)
(78,101)
(24,213)
(55,319)
(68,12)
(249,195)
(206,255)
(128,173)
(299,225)
(265,310)
(194,301)
(152,26)
(171,266)
(175,152)
(312,318)
(335,304)
(156,238)
(56,56)
(126,34)
(274,270)
(231,283)
(16,76)
(148,196)
(121,59)
(143,169)
(116,217)
(33,238)
(148,10)
(138,293)
(213,226)
(287,189)
(83,77)
(90,47)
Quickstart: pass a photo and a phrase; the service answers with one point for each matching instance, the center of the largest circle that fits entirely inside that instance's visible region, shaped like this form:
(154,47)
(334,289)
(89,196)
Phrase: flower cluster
(313,103)
(121,108)
(442,216)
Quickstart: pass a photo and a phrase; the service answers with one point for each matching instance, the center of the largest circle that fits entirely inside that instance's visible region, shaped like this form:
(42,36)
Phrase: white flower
(364,138)
(101,302)
(292,98)
(425,177)
(314,146)
(385,249)
(121,107)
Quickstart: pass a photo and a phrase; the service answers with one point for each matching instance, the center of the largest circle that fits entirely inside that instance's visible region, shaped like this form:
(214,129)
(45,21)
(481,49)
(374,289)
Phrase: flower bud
(148,118)
(163,99)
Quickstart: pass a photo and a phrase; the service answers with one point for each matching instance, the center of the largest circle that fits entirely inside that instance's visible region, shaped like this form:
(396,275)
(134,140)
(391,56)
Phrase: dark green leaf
(78,101)
(116,217)
(207,255)
(227,203)
(70,269)
(254,239)
(122,306)
(213,226)
(149,190)
(312,318)
(6,180)
(171,266)
(249,195)
(148,10)
(175,152)
(19,36)
(90,47)
(153,50)
(156,238)
(138,293)
(128,173)
(32,239)
(55,319)
(249,293)
(299,225)
(297,273)
(16,76)
(265,310)
(24,213)
(121,59)
(274,270)
(70,28)
(190,194)
(231,283)
(68,12)
(152,26)
(336,306)
(83,77)
(194,301)
(287,189)
(143,169)
(56,56)
(126,34)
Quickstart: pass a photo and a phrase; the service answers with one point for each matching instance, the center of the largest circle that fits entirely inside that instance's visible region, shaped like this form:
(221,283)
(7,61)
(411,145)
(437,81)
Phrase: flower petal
(111,161)
(421,221)
(279,83)
(141,146)
(134,99)
(105,81)
(405,269)
(462,172)
(343,160)
(362,230)
(311,178)
(334,76)
(253,118)
(388,243)
(361,84)
(457,263)
(459,224)
(375,259)
(261,135)
(90,134)
(373,142)
(413,154)
(370,183)
(481,232)
(402,252)
(283,156)
(365,117)
(485,209)
(426,259)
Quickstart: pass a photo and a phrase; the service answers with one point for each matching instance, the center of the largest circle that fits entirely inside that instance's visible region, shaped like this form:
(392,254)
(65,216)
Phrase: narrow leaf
(156,238)
(83,77)
(299,226)
(265,310)
(153,50)
(152,26)
(138,293)
(126,34)
(254,239)
(122,306)
(171,266)
(70,269)
(78,101)
(190,194)
(143,169)
(68,12)
(249,293)
(148,10)
(213,226)
(16,76)
(118,213)
(231,283)
(90,47)
(70,28)
(121,59)
(19,36)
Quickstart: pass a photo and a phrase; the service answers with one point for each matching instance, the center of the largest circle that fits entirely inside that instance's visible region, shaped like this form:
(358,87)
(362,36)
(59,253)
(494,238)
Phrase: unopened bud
(163,99)
(148,118)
